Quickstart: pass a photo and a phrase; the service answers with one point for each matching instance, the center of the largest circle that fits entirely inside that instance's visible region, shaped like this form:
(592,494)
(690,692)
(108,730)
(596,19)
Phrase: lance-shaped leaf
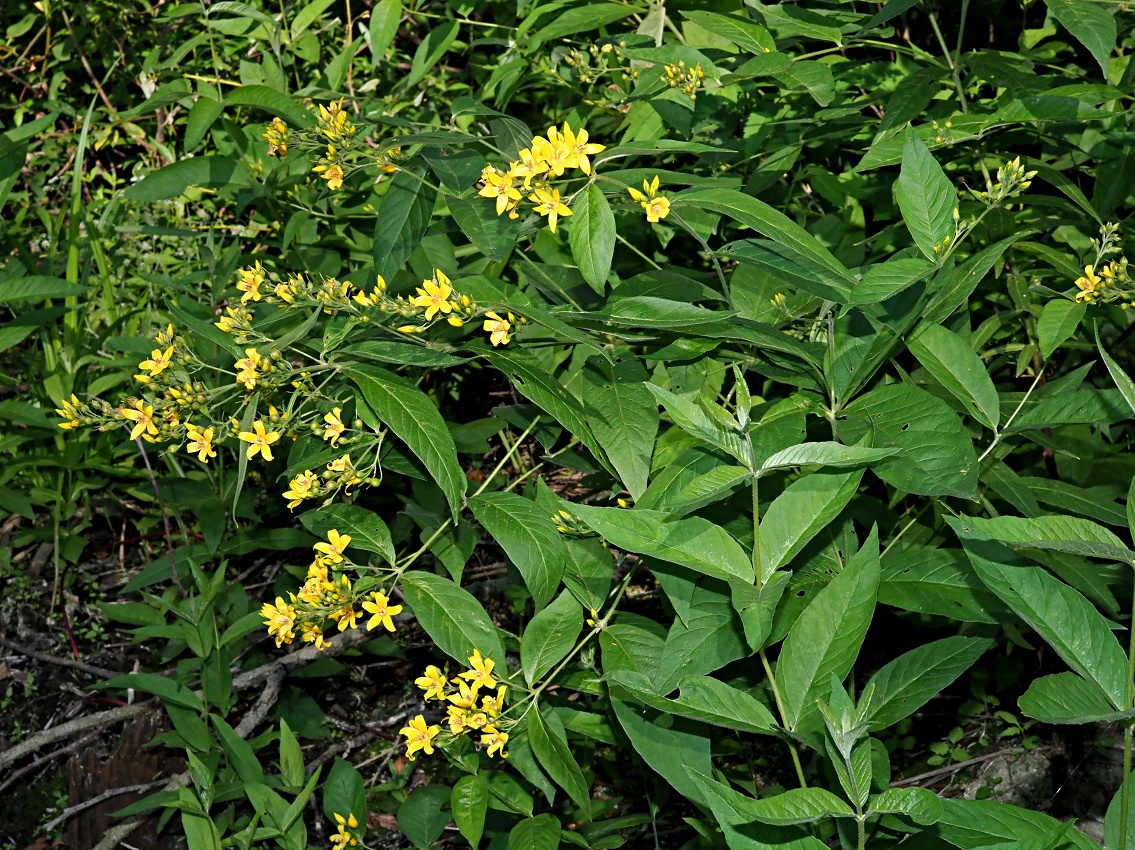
(695,420)
(452,617)
(623,415)
(926,198)
(800,512)
(550,636)
(592,236)
(823,454)
(954,365)
(1061,533)
(526,533)
(904,685)
(1068,698)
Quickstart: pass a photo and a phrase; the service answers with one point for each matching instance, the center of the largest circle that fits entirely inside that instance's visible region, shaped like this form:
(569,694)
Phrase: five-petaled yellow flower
(142,415)
(313,634)
(334,177)
(548,203)
(159,361)
(335,427)
(493,703)
(419,736)
(259,440)
(495,740)
(497,328)
(335,547)
(280,619)
(482,673)
(434,297)
(383,611)
(343,838)
(250,281)
(300,487)
(433,682)
(581,148)
(656,206)
(200,443)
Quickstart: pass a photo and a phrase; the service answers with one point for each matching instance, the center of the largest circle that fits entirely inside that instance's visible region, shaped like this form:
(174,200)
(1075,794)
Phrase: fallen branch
(71,811)
(50,757)
(65,730)
(99,672)
(954,768)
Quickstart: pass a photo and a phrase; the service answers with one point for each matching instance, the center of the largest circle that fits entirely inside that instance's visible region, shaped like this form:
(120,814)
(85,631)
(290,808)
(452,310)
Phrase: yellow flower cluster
(325,597)
(679,76)
(547,158)
(1012,179)
(342,838)
(277,136)
(339,473)
(467,710)
(1110,284)
(656,206)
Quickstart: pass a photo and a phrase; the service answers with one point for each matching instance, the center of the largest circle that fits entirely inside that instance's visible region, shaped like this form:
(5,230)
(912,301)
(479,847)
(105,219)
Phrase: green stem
(783,719)
(953,65)
(757,532)
(1125,797)
(862,842)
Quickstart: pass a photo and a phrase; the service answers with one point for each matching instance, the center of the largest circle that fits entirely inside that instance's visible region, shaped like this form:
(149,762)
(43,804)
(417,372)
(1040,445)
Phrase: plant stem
(953,65)
(783,719)
(861,844)
(1125,796)
(757,532)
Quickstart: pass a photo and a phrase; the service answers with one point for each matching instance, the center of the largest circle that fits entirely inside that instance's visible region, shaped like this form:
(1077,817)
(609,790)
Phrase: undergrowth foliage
(785,328)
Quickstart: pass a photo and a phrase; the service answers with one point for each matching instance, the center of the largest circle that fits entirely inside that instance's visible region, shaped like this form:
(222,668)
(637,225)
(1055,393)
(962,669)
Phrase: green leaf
(420,817)
(550,636)
(750,37)
(703,699)
(527,535)
(169,691)
(1060,615)
(731,809)
(583,19)
(936,457)
(1057,323)
(344,792)
(795,806)
(904,685)
(800,512)
(952,288)
(756,605)
(883,280)
(951,362)
(795,242)
(452,617)
(384,20)
(273,102)
(690,542)
(695,420)
(592,236)
(816,78)
(403,217)
(938,581)
(537,833)
(366,529)
(918,804)
(37,288)
(415,419)
(926,198)
(211,172)
(291,756)
(669,748)
(550,746)
(200,831)
(623,415)
(469,802)
(824,641)
(1125,384)
(710,637)
(1092,24)
(1068,698)
(533,382)
(242,758)
(431,49)
(823,454)
(1060,533)
(203,113)
(307,16)
(491,234)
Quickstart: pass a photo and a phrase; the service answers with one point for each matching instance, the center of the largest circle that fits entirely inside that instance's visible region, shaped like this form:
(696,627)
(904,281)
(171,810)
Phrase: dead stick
(100,672)
(50,757)
(65,730)
(71,811)
(953,768)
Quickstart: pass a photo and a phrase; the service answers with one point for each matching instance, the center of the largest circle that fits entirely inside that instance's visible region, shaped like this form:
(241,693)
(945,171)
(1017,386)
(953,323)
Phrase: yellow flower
(158,362)
(466,696)
(500,186)
(657,209)
(456,321)
(200,443)
(337,545)
(548,203)
(482,672)
(347,618)
(299,488)
(280,619)
(313,634)
(419,736)
(493,703)
(259,440)
(458,719)
(558,152)
(495,740)
(70,412)
(142,415)
(1090,285)
(335,427)
(277,137)
(434,297)
(497,328)
(285,293)
(477,720)
(382,610)
(433,682)
(343,838)
(250,280)
(531,163)
(334,177)
(581,148)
